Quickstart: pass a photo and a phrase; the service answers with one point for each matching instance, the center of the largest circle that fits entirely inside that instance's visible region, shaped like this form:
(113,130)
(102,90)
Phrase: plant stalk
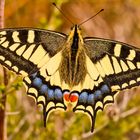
(3,132)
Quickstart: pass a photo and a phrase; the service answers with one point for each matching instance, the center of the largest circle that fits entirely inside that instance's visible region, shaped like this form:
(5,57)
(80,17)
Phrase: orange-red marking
(73,97)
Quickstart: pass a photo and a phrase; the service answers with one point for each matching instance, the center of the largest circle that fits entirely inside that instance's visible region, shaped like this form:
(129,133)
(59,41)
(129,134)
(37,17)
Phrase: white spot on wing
(124,85)
(14,46)
(41,98)
(106,64)
(27,80)
(15,36)
(99,104)
(21,50)
(117,50)
(3,33)
(90,109)
(55,79)
(2,40)
(88,83)
(100,69)
(132,55)
(28,52)
(15,68)
(132,82)
(108,98)
(44,61)
(81,107)
(50,104)
(37,55)
(131,65)
(60,104)
(5,44)
(23,73)
(116,65)
(92,70)
(34,91)
(53,63)
(8,63)
(138,79)
(2,58)
(123,65)
(115,88)
(31,36)
(138,65)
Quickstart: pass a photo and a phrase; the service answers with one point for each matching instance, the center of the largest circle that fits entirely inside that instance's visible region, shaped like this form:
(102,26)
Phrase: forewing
(120,62)
(24,51)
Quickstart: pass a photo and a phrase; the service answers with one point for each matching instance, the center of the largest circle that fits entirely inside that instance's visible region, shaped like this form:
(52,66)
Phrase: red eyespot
(70,97)
(66,96)
(73,97)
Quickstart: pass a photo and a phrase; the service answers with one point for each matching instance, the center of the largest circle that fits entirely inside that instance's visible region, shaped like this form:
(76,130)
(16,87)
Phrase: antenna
(91,17)
(62,13)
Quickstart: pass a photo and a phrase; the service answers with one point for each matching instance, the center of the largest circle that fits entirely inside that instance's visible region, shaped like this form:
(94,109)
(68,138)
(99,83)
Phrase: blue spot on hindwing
(43,89)
(83,97)
(50,95)
(105,89)
(37,82)
(58,94)
(91,99)
(98,94)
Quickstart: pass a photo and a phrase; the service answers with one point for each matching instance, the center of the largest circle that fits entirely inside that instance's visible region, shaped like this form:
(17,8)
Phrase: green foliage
(17,84)
(2,88)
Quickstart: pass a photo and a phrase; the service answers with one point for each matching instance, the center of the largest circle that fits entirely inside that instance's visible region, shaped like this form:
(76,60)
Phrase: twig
(129,112)
(3,135)
(89,134)
(125,100)
(12,113)
(2,3)
(19,126)
(122,115)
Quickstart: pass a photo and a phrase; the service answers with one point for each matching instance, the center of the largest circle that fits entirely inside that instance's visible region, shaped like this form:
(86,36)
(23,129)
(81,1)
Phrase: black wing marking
(25,50)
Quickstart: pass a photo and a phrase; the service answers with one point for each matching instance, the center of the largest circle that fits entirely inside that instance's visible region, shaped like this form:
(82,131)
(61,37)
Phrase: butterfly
(59,69)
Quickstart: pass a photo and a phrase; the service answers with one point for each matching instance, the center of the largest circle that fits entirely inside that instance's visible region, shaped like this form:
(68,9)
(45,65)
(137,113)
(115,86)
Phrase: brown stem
(2,3)
(3,135)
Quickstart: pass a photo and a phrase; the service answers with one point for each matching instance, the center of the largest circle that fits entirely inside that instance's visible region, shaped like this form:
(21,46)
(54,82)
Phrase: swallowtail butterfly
(59,69)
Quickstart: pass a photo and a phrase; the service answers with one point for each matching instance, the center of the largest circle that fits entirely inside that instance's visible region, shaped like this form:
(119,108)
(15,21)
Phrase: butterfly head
(75,32)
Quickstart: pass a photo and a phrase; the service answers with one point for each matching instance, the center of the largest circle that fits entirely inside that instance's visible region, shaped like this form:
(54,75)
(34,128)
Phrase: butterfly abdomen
(72,71)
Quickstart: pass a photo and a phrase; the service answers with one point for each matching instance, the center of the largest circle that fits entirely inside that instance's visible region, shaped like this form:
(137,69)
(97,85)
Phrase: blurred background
(119,21)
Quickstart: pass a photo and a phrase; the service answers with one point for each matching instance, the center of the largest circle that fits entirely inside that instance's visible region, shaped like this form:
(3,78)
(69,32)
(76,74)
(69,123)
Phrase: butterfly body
(58,69)
(74,56)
